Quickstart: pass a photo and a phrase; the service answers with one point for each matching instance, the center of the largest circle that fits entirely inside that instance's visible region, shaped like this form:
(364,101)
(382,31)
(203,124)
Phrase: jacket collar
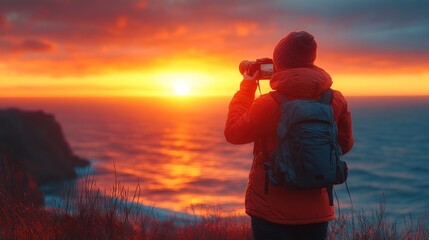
(308,82)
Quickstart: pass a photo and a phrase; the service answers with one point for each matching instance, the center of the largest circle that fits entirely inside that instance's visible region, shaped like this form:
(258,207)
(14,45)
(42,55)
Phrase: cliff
(36,139)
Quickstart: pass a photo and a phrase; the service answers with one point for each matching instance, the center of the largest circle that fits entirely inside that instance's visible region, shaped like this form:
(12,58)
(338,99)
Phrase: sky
(52,48)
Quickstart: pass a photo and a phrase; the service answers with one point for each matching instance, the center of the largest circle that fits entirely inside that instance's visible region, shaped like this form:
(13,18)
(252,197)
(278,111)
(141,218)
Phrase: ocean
(175,151)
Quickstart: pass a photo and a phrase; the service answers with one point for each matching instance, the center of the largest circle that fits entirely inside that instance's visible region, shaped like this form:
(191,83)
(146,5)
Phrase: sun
(181,88)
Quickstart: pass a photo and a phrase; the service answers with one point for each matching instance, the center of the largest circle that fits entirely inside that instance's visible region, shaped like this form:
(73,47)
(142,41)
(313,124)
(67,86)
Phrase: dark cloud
(369,25)
(86,20)
(138,31)
(33,45)
(26,45)
(3,22)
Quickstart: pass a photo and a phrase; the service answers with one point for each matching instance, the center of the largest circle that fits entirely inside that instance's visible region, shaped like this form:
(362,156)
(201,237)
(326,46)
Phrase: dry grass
(376,226)
(88,214)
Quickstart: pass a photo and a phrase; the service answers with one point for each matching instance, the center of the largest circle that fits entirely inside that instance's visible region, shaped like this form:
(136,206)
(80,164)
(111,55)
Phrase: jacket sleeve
(247,118)
(344,122)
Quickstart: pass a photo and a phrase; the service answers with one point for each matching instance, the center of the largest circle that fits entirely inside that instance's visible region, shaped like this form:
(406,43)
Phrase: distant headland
(36,139)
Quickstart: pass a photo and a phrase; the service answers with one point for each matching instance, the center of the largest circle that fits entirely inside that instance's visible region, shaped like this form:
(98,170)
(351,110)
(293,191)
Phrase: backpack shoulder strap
(279,97)
(326,97)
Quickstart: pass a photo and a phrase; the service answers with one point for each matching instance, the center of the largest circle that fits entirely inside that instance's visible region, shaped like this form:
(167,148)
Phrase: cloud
(368,25)
(33,45)
(136,32)
(26,45)
(4,24)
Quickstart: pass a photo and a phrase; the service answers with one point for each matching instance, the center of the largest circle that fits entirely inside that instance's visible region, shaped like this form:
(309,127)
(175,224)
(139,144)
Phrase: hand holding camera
(262,68)
(255,77)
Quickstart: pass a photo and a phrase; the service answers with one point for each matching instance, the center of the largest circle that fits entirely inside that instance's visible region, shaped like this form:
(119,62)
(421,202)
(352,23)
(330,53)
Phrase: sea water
(175,151)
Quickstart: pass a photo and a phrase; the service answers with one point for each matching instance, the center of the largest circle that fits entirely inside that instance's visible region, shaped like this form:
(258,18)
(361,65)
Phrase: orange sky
(152,48)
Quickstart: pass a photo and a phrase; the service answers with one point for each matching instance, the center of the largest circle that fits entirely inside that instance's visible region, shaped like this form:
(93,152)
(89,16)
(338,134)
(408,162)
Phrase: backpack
(308,154)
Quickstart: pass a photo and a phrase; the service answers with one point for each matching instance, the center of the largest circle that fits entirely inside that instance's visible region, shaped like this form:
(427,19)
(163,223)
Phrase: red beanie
(297,49)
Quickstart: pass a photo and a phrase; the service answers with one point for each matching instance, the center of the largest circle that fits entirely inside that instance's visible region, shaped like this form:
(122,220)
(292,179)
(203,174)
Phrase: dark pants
(264,230)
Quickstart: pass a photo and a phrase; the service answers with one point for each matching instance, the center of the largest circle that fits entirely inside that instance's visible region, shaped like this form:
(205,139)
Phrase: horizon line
(186,97)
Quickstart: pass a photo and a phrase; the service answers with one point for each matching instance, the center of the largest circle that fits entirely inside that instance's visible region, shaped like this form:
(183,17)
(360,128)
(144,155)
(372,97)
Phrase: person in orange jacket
(284,213)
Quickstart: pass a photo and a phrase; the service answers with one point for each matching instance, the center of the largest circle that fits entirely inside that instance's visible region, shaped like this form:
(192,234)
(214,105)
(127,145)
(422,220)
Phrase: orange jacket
(249,119)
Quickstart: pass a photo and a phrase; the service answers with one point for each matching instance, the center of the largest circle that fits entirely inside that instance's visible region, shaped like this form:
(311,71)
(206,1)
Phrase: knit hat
(297,49)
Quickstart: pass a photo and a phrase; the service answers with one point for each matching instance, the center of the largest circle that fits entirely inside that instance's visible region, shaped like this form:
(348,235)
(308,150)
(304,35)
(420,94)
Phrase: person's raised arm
(245,116)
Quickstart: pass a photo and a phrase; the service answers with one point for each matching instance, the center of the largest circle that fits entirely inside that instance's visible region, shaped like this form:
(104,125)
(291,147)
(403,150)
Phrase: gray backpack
(308,154)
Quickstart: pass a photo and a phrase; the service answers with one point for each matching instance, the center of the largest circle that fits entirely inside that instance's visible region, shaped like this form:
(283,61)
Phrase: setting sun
(181,88)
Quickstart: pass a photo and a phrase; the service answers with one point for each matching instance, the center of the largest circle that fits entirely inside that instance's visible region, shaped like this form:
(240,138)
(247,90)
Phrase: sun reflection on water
(174,150)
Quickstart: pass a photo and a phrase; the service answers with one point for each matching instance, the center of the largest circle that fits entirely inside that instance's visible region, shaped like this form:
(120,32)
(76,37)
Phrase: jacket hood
(308,82)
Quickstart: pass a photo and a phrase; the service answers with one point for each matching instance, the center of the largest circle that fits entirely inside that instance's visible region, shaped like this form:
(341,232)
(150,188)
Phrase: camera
(264,65)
